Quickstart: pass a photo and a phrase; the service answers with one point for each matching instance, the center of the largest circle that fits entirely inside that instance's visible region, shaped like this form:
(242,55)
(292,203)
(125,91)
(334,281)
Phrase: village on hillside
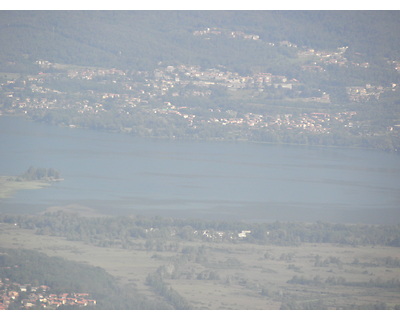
(189,97)
(16,296)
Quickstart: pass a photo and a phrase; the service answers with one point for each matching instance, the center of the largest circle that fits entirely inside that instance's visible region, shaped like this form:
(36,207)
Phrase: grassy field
(256,277)
(9,185)
(241,275)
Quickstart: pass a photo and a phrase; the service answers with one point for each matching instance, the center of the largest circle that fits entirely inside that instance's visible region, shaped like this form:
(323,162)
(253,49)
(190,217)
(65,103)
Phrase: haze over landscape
(199,160)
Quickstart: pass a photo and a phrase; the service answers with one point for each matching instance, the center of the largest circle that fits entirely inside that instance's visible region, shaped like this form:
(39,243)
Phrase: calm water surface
(119,174)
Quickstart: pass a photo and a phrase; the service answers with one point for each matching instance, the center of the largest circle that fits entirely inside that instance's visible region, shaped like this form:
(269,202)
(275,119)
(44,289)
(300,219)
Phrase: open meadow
(241,275)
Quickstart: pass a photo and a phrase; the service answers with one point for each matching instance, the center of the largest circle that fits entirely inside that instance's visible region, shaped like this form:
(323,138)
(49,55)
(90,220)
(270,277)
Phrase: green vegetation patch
(10,185)
(33,178)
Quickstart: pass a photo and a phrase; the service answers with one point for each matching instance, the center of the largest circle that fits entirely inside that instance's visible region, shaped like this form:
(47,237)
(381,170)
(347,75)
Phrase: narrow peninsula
(33,178)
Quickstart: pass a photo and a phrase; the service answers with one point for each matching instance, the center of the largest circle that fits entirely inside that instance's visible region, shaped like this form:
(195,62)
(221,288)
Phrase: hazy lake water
(120,174)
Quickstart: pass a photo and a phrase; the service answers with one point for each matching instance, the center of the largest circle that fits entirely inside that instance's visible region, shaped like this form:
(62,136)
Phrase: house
(44,288)
(91,302)
(244,233)
(27,304)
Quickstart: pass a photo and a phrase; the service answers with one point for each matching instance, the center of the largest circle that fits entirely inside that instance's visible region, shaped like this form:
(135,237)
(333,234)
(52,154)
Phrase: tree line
(122,231)
(40,174)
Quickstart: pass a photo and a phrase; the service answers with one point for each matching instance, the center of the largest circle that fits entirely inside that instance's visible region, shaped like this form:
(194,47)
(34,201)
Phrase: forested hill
(140,39)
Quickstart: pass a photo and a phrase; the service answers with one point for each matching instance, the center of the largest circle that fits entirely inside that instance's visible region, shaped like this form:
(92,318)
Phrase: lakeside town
(187,98)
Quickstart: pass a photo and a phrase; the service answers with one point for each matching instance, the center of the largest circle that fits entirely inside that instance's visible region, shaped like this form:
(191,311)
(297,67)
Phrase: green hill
(271,63)
(34,268)
(140,39)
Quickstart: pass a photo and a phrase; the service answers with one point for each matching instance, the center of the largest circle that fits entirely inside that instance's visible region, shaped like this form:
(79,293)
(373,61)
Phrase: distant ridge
(140,39)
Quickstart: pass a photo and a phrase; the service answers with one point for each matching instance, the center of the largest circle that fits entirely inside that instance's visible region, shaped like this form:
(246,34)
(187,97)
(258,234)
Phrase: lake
(120,174)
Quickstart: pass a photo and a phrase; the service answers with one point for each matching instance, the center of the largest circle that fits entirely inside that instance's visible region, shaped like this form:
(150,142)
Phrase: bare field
(244,276)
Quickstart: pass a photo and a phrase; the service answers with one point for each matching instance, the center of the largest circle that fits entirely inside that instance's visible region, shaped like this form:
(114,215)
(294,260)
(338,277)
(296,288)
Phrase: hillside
(143,38)
(35,280)
(304,77)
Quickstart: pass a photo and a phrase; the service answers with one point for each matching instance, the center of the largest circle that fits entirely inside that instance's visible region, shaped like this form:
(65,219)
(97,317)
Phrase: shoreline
(9,185)
(211,139)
